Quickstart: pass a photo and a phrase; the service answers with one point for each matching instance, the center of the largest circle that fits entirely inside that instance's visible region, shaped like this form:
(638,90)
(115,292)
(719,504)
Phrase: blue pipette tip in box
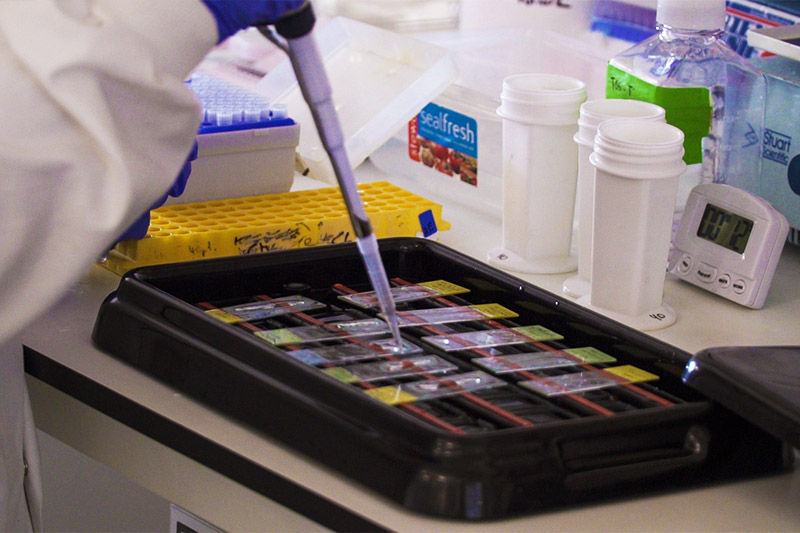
(247,144)
(228,107)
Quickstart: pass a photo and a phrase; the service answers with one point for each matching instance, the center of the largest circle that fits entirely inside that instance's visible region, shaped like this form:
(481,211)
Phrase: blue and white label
(777,146)
(445,140)
(449,128)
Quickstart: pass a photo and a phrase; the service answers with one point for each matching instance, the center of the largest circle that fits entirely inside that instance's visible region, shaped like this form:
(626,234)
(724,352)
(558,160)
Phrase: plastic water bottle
(708,91)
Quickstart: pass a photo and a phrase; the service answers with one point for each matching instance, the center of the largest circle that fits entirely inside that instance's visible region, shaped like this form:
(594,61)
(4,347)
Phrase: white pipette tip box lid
(379,79)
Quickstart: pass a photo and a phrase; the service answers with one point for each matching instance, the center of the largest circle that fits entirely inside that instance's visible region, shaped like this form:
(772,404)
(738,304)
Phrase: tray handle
(695,451)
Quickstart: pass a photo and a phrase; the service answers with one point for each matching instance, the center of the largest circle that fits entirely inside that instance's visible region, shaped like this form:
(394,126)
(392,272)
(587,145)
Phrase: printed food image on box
(445,140)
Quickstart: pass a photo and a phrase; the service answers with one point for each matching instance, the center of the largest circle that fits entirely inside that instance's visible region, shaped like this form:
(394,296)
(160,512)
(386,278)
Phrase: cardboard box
(780,163)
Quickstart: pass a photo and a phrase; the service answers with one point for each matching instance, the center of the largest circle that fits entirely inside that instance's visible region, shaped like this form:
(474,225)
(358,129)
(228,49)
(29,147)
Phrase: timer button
(706,273)
(685,264)
(724,281)
(739,286)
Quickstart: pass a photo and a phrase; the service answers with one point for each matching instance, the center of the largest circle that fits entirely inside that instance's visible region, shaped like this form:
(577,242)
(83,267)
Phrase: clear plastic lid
(380,80)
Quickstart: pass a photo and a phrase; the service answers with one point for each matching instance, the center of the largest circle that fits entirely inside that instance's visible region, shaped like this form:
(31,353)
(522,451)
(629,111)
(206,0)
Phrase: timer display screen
(724,228)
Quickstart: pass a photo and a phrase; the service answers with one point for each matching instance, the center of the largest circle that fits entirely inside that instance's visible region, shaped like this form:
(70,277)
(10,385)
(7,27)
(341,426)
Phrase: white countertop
(63,335)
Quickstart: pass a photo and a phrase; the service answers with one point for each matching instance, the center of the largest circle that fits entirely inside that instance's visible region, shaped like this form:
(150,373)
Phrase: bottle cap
(691,14)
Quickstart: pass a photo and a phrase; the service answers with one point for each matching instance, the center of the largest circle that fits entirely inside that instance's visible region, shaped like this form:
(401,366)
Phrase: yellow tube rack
(255,224)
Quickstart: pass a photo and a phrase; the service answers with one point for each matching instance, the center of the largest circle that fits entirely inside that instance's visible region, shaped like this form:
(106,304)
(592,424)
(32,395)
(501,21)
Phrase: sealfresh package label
(445,140)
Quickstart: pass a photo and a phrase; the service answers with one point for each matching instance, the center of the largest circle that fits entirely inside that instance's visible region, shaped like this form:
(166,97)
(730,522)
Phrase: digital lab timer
(729,242)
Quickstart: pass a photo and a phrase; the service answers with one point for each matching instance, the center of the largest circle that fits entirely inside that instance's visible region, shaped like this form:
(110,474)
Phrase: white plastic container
(247,162)
(396,15)
(592,114)
(637,164)
(540,170)
(569,17)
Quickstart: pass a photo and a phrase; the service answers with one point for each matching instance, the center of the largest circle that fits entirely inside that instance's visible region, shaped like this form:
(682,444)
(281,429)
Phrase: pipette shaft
(315,87)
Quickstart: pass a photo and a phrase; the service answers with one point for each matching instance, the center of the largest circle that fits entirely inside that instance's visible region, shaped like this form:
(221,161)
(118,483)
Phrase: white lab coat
(96,124)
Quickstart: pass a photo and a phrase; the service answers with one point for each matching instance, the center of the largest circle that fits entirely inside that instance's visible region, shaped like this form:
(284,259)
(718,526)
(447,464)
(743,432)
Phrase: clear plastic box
(380,80)
(484,58)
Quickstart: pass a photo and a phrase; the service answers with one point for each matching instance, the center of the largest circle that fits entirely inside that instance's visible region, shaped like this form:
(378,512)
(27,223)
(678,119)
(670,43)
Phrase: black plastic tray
(760,383)
(511,452)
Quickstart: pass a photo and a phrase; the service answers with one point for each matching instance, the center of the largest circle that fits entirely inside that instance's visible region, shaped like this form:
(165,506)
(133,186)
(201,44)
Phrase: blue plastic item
(234,15)
(139,228)
(624,21)
(226,107)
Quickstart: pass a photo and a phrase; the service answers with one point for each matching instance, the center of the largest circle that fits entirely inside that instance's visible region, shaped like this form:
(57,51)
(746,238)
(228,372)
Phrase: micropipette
(316,89)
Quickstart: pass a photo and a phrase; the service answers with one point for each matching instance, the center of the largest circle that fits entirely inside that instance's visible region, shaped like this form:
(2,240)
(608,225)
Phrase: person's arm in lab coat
(97,124)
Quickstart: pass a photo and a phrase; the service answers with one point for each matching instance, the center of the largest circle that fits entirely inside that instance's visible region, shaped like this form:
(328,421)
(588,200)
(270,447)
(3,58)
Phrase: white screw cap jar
(637,164)
(592,114)
(540,168)
(691,14)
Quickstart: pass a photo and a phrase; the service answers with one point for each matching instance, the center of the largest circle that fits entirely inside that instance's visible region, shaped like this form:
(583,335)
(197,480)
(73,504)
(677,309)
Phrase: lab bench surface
(241,480)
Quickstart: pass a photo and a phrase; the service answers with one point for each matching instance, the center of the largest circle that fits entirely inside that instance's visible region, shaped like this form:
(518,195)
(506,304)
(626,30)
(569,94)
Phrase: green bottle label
(687,108)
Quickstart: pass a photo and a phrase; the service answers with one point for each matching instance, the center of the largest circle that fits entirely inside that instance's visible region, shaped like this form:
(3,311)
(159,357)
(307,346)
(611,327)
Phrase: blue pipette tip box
(623,20)
(246,144)
(229,107)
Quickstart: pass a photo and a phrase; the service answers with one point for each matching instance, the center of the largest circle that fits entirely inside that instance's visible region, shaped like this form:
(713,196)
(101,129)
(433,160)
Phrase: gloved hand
(234,15)
(139,228)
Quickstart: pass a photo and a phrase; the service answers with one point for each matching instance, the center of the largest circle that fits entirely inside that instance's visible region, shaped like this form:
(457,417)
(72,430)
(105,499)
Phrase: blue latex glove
(139,228)
(234,15)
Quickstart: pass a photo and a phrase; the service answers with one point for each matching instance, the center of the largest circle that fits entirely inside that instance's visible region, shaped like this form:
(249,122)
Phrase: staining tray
(439,429)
